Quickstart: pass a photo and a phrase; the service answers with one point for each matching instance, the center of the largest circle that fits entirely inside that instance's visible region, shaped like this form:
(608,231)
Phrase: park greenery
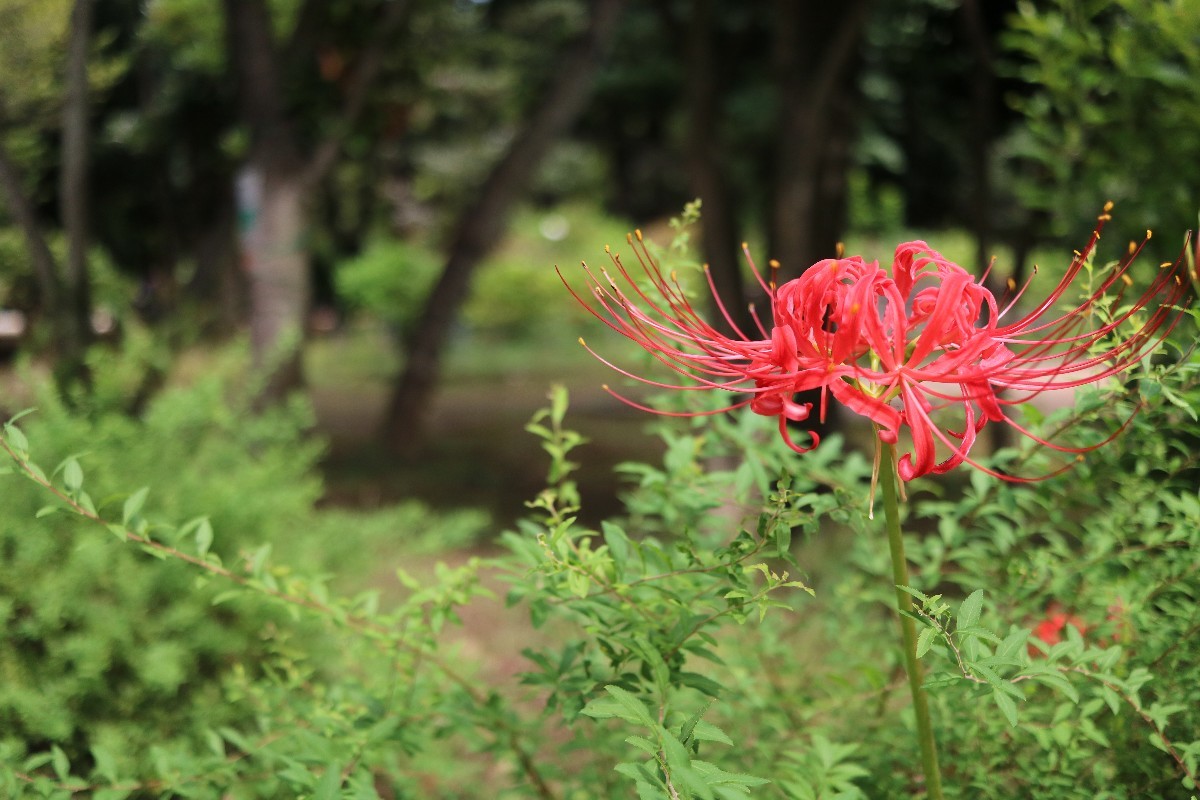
(291,340)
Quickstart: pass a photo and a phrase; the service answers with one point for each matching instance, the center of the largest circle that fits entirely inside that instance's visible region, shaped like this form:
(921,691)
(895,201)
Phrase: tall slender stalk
(908,629)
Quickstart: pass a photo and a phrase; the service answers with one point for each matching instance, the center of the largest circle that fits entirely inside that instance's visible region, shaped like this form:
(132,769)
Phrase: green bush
(516,293)
(124,665)
(106,654)
(390,280)
(731,635)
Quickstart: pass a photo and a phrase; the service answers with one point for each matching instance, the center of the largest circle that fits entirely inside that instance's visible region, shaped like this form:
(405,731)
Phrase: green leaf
(327,788)
(62,766)
(700,683)
(16,439)
(133,505)
(911,591)
(72,475)
(643,744)
(225,597)
(1056,679)
(925,640)
(632,709)
(45,511)
(204,537)
(654,660)
(1111,698)
(106,763)
(707,732)
(679,766)
(1013,644)
(968,612)
(637,772)
(618,546)
(1006,705)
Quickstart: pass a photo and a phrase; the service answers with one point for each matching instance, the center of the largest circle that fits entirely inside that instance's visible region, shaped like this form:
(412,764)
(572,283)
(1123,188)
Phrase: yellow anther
(582,342)
(840,249)
(628,238)
(1012,284)
(773,264)
(604,386)
(1108,206)
(1128,281)
(745,246)
(674,276)
(1035,269)
(1132,248)
(1149,233)
(1164,265)
(1104,217)
(607,249)
(638,233)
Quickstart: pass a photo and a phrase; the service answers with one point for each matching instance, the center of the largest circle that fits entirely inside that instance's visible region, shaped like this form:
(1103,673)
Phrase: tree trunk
(272,207)
(276,186)
(45,271)
(983,80)
(482,223)
(219,284)
(815,58)
(66,303)
(71,369)
(73,187)
(718,223)
(271,201)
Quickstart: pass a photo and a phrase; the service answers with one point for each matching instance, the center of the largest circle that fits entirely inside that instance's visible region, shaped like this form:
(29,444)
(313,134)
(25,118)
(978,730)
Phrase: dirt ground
(475,451)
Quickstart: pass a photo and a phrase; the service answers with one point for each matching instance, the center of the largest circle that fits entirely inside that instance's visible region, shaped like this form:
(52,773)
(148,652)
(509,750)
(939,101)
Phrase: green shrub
(731,635)
(390,279)
(104,652)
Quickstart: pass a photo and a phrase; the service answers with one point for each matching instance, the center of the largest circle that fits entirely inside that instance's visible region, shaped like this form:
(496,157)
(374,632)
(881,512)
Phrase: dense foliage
(695,646)
(1112,110)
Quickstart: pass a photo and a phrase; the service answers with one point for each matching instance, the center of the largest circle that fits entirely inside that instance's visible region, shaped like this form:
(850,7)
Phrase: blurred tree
(32,34)
(481,223)
(1114,114)
(709,180)
(816,56)
(278,180)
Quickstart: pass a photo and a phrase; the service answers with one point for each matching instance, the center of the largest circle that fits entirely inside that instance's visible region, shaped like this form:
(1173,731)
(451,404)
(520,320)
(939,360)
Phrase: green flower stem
(904,602)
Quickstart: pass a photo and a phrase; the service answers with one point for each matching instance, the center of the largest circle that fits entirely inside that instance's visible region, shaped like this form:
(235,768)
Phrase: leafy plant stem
(908,628)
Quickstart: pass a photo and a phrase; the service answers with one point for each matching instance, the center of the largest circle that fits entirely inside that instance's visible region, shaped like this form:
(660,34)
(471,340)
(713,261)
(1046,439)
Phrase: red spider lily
(1050,629)
(901,349)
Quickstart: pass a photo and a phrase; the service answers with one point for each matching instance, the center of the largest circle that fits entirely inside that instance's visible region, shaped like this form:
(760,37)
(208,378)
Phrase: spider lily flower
(925,351)
(1051,628)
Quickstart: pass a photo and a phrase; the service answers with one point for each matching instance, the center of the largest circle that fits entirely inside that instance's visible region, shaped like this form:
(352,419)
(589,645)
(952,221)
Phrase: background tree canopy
(239,154)
(279,277)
